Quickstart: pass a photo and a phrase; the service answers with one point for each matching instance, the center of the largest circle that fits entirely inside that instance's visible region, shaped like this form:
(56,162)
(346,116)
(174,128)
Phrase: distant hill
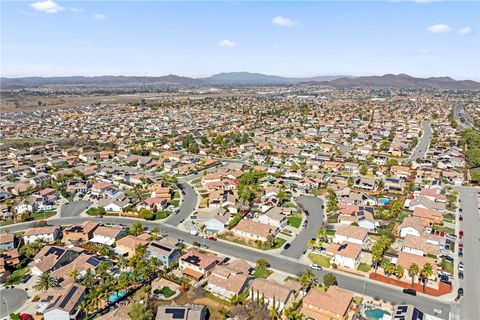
(404,81)
(247,78)
(261,79)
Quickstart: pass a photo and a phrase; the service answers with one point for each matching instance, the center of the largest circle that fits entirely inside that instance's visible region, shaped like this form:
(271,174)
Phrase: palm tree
(413,271)
(322,234)
(427,272)
(46,281)
(136,229)
(307,278)
(74,274)
(399,272)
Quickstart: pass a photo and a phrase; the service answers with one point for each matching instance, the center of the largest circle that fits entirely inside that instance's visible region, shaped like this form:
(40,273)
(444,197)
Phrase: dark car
(446,281)
(460,210)
(307,213)
(410,292)
(286,246)
(460,254)
(448,258)
(460,275)
(460,218)
(460,291)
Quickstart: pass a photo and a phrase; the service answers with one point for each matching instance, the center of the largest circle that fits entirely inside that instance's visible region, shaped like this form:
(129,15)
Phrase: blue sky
(59,38)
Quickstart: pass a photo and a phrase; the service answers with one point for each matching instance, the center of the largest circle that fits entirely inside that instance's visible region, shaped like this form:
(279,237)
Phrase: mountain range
(252,79)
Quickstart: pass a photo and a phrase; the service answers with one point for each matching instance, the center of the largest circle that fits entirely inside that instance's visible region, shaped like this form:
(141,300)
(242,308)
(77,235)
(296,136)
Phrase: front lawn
(6,222)
(295,221)
(321,260)
(447,266)
(364,267)
(175,202)
(16,276)
(443,229)
(449,217)
(43,215)
(331,232)
(279,242)
(261,272)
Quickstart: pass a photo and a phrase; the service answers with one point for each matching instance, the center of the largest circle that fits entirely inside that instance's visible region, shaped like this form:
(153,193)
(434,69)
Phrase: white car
(316,267)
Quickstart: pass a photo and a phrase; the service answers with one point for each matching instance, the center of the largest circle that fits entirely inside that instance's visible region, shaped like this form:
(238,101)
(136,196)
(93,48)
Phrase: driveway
(11,300)
(74,208)
(315,222)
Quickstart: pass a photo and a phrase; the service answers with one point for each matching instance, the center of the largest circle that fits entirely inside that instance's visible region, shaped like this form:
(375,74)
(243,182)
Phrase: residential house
(81,232)
(411,226)
(127,245)
(270,291)
(429,217)
(107,235)
(346,254)
(420,246)
(187,312)
(46,234)
(50,258)
(197,265)
(332,304)
(253,230)
(164,250)
(7,241)
(226,282)
(65,304)
(352,234)
(273,218)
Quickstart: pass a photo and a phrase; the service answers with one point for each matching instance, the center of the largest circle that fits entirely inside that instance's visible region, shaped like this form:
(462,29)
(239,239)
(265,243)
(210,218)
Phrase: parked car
(316,267)
(446,281)
(461,267)
(461,234)
(460,275)
(410,292)
(305,224)
(452,236)
(286,246)
(448,258)
(460,291)
(460,245)
(460,254)
(460,218)
(212,238)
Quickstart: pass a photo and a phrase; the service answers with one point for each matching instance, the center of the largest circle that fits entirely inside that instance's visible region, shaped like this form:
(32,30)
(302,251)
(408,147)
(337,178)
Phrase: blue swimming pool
(384,200)
(117,296)
(375,313)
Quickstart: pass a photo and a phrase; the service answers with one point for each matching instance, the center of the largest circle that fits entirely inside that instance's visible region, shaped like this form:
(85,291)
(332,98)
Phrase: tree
(139,311)
(262,263)
(363,170)
(136,229)
(332,201)
(282,196)
(427,272)
(74,274)
(322,234)
(329,280)
(413,271)
(399,272)
(307,278)
(46,281)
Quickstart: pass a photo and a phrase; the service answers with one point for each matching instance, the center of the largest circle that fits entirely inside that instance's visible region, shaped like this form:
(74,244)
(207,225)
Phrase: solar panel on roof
(93,261)
(159,246)
(56,251)
(193,260)
(68,297)
(176,313)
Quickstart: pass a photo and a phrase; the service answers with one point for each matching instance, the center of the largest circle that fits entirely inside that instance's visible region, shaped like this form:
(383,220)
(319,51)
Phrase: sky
(62,38)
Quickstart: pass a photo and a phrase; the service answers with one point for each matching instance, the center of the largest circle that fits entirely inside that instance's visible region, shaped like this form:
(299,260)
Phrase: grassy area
(196,181)
(175,202)
(364,267)
(279,242)
(235,220)
(21,140)
(201,191)
(6,222)
(443,229)
(295,221)
(17,276)
(331,232)
(165,291)
(447,266)
(321,260)
(261,272)
(43,215)
(449,217)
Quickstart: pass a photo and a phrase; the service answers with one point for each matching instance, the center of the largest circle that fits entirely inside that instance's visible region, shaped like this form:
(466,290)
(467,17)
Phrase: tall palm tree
(46,281)
(307,278)
(413,271)
(399,272)
(427,272)
(322,234)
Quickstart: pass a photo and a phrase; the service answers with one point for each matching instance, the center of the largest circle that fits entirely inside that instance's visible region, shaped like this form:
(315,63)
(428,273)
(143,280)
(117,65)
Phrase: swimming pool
(375,313)
(117,296)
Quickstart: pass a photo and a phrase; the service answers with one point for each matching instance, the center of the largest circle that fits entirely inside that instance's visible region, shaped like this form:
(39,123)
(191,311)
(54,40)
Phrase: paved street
(470,302)
(74,208)
(423,142)
(460,117)
(315,222)
(11,300)
(189,201)
(279,262)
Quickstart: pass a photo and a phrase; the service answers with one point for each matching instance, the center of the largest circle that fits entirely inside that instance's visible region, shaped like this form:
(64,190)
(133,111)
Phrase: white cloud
(439,28)
(283,22)
(79,10)
(99,16)
(47,6)
(227,43)
(465,30)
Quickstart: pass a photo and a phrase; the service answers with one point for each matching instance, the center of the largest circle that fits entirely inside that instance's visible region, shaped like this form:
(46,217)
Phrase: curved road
(11,300)
(422,145)
(279,262)
(189,202)
(315,222)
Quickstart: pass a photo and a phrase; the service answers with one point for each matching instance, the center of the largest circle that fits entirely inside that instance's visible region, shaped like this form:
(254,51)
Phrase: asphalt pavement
(189,202)
(11,300)
(423,142)
(282,263)
(469,304)
(315,222)
(74,208)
